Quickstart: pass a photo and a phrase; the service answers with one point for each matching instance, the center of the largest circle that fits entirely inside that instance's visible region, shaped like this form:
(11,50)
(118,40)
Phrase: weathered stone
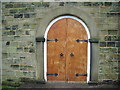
(13,11)
(19,5)
(9,6)
(97,4)
(117,44)
(112,32)
(118,50)
(18,16)
(14,27)
(61,4)
(108,3)
(87,3)
(117,57)
(110,44)
(107,38)
(102,44)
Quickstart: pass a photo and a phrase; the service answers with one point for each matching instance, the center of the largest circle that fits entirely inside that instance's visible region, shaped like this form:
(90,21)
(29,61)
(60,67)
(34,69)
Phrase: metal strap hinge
(81,74)
(52,40)
(52,74)
(90,40)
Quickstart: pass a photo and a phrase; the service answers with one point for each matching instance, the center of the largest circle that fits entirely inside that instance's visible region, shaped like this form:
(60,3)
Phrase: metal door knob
(61,54)
(71,54)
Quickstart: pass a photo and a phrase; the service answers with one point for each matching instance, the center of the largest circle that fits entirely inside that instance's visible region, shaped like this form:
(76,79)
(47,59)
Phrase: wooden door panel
(77,63)
(55,62)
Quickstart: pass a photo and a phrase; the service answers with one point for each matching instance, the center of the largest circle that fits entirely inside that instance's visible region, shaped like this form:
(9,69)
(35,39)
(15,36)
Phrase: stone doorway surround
(67,11)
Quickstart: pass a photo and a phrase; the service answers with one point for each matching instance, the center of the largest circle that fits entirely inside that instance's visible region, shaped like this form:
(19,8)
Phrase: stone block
(101,76)
(102,56)
(107,38)
(32,33)
(17,61)
(11,49)
(7,27)
(112,32)
(8,61)
(103,32)
(6,66)
(20,32)
(19,5)
(19,74)
(18,15)
(45,4)
(26,25)
(117,57)
(23,10)
(13,11)
(14,27)
(61,4)
(103,44)
(109,56)
(97,4)
(26,15)
(110,44)
(115,38)
(108,3)
(118,50)
(15,66)
(117,44)
(113,14)
(11,33)
(4,22)
(19,49)
(8,38)
(9,6)
(8,73)
(5,55)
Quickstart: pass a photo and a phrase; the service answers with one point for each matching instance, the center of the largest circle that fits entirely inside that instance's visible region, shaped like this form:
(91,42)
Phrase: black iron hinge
(81,74)
(40,39)
(52,40)
(52,74)
(90,40)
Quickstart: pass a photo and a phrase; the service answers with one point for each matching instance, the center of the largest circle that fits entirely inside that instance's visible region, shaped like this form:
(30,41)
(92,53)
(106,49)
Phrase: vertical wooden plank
(77,63)
(55,62)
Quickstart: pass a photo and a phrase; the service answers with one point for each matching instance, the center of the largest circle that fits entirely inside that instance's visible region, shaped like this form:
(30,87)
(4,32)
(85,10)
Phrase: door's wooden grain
(77,63)
(55,62)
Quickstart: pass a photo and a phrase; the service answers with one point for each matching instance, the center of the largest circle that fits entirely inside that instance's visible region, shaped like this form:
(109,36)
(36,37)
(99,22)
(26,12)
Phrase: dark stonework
(110,44)
(102,44)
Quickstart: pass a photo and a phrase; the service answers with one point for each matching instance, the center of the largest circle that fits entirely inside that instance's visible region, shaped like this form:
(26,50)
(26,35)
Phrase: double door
(67,49)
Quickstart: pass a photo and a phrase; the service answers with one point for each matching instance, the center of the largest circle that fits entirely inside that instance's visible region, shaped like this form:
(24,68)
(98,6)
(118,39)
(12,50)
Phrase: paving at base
(67,85)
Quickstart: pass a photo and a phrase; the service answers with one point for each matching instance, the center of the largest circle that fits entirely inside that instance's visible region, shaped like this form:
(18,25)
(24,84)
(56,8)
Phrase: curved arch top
(72,17)
(45,44)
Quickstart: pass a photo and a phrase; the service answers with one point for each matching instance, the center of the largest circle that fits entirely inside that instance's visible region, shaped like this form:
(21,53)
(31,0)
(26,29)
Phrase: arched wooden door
(67,50)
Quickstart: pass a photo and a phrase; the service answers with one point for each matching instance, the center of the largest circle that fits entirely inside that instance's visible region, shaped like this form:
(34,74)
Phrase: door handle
(61,54)
(71,54)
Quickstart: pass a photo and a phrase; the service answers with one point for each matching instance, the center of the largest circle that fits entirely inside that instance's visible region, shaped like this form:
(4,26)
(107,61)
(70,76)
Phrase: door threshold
(69,82)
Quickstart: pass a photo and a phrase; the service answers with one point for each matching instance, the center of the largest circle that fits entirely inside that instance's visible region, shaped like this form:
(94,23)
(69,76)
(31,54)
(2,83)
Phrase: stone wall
(109,60)
(20,22)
